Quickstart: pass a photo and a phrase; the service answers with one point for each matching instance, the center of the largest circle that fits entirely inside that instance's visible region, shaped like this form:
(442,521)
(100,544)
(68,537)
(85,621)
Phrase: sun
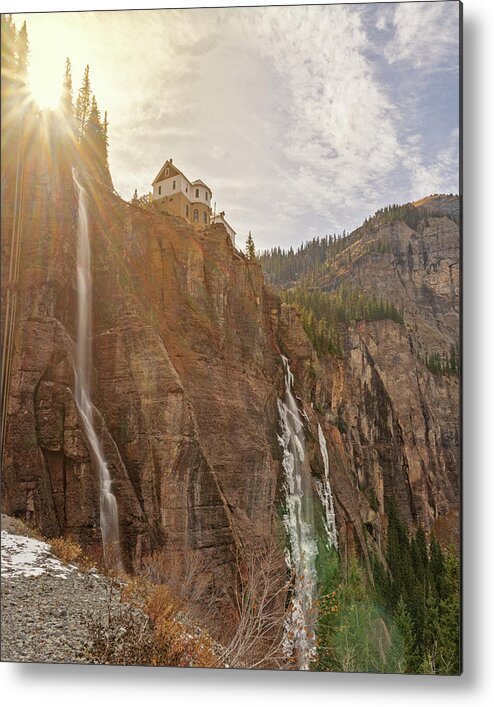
(46,62)
(44,89)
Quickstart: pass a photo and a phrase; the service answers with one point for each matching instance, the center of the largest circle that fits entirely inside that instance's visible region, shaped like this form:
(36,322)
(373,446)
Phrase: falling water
(326,496)
(108,503)
(299,523)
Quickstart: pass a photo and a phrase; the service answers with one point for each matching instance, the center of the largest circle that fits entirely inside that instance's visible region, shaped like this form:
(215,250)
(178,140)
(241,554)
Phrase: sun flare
(45,91)
(46,65)
(45,94)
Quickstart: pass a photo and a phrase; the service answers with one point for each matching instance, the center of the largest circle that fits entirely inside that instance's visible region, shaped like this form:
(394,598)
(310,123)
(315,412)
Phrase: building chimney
(170,161)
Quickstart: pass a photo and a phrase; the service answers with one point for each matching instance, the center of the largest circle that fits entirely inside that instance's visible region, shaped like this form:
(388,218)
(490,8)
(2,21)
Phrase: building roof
(160,176)
(199,181)
(169,163)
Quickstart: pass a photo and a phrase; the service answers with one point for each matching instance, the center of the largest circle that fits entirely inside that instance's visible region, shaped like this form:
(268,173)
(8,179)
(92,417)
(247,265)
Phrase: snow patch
(26,557)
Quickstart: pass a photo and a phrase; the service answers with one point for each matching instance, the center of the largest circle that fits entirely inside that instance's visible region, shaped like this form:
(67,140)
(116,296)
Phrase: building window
(159,191)
(186,189)
(167,172)
(187,210)
(174,182)
(197,193)
(196,215)
(207,197)
(204,217)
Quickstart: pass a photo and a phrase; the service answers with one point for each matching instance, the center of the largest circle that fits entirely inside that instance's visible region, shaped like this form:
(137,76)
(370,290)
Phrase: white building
(220,218)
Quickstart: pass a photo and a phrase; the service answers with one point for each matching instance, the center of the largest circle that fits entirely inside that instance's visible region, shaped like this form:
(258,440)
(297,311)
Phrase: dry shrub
(70,552)
(188,577)
(143,627)
(179,644)
(260,601)
(249,625)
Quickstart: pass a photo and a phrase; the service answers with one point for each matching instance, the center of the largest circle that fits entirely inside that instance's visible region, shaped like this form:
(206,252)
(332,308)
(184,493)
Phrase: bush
(70,552)
(143,626)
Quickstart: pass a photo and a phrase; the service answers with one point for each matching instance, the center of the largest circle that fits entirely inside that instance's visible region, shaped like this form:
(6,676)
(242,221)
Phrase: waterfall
(110,533)
(326,496)
(299,524)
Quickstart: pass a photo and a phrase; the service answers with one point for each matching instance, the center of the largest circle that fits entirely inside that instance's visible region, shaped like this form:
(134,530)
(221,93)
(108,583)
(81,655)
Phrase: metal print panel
(230,337)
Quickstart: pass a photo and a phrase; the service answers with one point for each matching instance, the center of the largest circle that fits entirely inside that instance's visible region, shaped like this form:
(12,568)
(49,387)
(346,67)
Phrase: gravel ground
(46,606)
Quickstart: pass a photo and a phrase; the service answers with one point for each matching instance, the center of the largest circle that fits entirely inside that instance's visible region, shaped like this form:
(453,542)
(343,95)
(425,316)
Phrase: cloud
(438,173)
(425,34)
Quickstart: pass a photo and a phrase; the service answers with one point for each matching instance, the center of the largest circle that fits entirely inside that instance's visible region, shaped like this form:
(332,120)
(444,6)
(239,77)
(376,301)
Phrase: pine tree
(448,641)
(105,141)
(66,100)
(9,63)
(22,51)
(250,249)
(404,625)
(83,105)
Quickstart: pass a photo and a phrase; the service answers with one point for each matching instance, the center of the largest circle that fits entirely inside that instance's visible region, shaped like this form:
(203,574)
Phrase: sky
(303,120)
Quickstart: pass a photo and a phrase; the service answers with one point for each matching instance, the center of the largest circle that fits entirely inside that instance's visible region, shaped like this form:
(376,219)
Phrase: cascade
(110,532)
(299,524)
(326,496)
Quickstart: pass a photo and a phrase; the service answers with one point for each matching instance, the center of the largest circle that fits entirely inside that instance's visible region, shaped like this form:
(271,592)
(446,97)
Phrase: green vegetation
(421,590)
(306,263)
(250,248)
(354,632)
(408,622)
(443,364)
(408,213)
(322,312)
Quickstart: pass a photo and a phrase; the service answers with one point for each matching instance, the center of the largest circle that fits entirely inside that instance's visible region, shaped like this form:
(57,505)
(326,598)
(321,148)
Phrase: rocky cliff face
(187,370)
(398,421)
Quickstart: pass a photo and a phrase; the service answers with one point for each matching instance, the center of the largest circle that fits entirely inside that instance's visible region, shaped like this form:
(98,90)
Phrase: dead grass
(143,626)
(70,552)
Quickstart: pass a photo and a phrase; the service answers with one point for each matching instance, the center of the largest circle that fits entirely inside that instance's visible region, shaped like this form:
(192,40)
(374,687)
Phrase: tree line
(408,213)
(322,312)
(89,129)
(286,266)
(443,364)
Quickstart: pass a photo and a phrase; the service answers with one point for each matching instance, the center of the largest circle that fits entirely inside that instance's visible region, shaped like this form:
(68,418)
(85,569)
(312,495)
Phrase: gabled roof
(174,171)
(161,174)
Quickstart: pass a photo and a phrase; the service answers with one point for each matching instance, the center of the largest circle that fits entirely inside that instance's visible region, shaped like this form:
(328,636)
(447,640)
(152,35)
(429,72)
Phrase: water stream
(110,533)
(326,496)
(299,523)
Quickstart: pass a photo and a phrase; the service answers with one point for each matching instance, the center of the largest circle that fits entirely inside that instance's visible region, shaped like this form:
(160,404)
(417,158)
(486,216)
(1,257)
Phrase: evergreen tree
(404,626)
(9,62)
(66,100)
(105,140)
(250,249)
(93,141)
(448,639)
(22,52)
(83,105)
